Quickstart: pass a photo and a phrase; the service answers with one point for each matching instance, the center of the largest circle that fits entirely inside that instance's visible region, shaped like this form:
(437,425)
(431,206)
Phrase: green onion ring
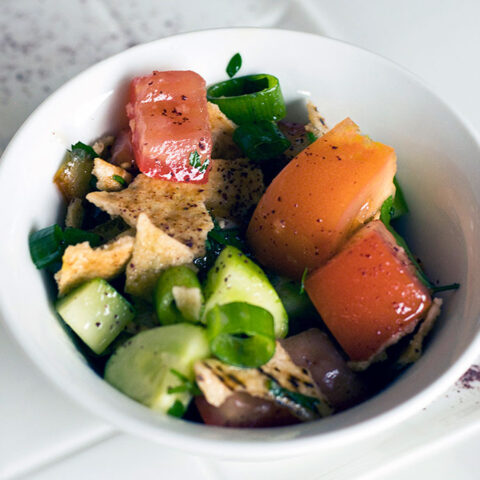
(248,99)
(167,311)
(241,334)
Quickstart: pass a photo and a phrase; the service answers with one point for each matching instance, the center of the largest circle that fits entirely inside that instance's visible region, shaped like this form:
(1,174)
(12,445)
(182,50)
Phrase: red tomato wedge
(368,295)
(169,124)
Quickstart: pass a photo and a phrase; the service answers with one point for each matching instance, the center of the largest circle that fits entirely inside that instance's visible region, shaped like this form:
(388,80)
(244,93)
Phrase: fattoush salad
(222,264)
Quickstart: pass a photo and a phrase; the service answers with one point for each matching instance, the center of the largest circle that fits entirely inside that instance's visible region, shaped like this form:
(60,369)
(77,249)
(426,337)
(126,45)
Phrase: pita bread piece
(176,208)
(222,130)
(110,178)
(81,262)
(153,252)
(234,186)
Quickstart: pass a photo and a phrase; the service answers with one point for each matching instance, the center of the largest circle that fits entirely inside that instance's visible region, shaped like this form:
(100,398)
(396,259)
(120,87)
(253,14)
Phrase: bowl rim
(228,448)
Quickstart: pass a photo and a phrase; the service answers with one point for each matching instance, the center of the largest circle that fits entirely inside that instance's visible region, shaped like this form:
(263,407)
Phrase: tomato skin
(368,295)
(169,120)
(319,199)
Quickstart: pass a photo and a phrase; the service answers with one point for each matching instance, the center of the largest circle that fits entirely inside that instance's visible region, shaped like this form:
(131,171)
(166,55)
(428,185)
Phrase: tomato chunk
(169,124)
(320,198)
(368,295)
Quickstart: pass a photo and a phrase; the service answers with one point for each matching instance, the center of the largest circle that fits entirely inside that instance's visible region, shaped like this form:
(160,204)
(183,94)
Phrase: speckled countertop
(43,43)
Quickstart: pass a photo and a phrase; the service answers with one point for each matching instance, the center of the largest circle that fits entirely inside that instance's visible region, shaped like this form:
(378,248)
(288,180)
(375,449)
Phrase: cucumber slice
(96,312)
(144,367)
(235,278)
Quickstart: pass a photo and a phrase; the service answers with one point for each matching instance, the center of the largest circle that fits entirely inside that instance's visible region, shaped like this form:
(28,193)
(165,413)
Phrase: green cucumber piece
(146,367)
(235,278)
(96,312)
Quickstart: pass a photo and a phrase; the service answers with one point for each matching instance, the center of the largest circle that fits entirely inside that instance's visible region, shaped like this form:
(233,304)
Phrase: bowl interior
(437,167)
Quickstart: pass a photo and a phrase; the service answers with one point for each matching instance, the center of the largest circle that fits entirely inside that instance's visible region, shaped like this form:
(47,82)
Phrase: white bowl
(437,166)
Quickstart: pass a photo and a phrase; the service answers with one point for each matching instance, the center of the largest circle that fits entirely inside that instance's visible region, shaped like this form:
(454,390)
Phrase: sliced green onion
(46,246)
(177,409)
(168,312)
(241,334)
(260,141)
(249,99)
(234,65)
(72,236)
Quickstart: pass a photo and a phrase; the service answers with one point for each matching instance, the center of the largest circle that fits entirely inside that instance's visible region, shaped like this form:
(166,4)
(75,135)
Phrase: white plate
(437,167)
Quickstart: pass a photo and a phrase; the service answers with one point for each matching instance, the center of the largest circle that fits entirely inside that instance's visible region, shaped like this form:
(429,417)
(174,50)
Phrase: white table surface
(43,434)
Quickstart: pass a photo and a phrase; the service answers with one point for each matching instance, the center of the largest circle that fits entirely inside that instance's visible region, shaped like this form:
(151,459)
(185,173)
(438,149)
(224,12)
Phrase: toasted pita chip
(153,252)
(81,262)
(317,124)
(110,178)
(222,134)
(75,213)
(218,381)
(176,208)
(233,187)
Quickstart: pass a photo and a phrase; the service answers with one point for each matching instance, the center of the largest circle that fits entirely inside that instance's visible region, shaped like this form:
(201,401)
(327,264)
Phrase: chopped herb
(177,409)
(234,65)
(186,386)
(311,137)
(195,161)
(444,288)
(217,239)
(119,179)
(387,211)
(302,282)
(204,166)
(85,148)
(303,401)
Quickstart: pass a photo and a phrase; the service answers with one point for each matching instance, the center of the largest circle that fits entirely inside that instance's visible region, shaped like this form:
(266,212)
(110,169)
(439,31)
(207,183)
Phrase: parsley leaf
(234,65)
(195,160)
(177,409)
(119,179)
(86,149)
(311,137)
(186,386)
(304,401)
